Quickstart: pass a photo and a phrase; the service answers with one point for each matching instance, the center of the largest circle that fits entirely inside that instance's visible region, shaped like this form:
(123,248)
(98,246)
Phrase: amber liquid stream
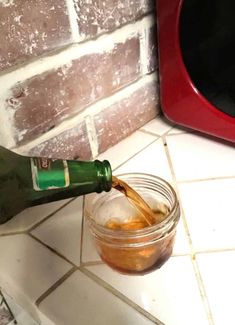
(146,213)
(143,258)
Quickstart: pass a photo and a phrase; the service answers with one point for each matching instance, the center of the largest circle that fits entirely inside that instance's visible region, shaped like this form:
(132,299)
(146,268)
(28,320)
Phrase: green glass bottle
(27,181)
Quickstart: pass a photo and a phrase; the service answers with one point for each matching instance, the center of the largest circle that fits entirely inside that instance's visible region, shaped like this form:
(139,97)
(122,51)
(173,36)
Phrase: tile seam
(200,283)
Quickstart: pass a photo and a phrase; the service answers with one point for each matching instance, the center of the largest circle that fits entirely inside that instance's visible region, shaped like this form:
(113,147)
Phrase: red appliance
(197,64)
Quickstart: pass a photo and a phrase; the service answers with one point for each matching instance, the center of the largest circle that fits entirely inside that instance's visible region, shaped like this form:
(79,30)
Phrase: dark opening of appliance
(207,39)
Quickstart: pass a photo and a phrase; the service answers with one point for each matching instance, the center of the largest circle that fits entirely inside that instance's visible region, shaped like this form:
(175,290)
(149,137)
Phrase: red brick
(30,28)
(70,144)
(127,115)
(44,101)
(96,17)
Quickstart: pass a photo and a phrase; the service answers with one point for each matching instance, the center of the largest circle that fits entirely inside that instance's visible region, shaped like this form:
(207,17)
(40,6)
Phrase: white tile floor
(53,268)
(62,231)
(28,218)
(164,293)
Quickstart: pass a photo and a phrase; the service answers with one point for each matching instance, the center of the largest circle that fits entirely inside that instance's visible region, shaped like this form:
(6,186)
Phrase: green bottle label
(49,174)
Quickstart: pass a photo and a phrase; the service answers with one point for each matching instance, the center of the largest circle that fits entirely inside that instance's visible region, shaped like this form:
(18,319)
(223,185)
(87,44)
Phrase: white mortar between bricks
(73,20)
(89,111)
(102,44)
(92,136)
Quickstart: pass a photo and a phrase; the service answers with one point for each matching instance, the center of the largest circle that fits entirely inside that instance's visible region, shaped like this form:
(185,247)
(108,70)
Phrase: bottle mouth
(137,181)
(104,173)
(107,183)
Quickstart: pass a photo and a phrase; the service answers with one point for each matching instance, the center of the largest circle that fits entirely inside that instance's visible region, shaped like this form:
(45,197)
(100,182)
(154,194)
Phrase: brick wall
(76,76)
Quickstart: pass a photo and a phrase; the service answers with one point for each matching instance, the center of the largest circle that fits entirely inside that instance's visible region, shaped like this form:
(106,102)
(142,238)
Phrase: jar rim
(165,224)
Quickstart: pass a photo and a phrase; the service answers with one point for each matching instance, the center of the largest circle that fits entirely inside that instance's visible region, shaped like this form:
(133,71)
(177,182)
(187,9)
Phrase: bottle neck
(94,174)
(74,179)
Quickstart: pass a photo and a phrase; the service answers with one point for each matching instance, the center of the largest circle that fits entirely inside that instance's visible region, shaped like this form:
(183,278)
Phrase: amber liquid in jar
(143,258)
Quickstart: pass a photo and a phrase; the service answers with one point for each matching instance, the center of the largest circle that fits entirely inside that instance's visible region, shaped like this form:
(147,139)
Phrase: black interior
(207,38)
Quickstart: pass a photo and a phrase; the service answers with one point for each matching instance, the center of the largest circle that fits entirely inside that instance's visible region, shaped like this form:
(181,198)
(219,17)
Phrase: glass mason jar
(133,251)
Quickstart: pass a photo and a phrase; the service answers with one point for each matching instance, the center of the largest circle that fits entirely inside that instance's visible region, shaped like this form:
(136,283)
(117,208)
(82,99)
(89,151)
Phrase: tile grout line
(156,134)
(149,133)
(215,250)
(124,162)
(200,283)
(179,133)
(28,230)
(92,263)
(82,226)
(50,215)
(167,133)
(120,296)
(97,262)
(13,233)
(205,179)
(177,190)
(152,133)
(55,285)
(4,301)
(104,285)
(52,250)
(202,290)
(182,131)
